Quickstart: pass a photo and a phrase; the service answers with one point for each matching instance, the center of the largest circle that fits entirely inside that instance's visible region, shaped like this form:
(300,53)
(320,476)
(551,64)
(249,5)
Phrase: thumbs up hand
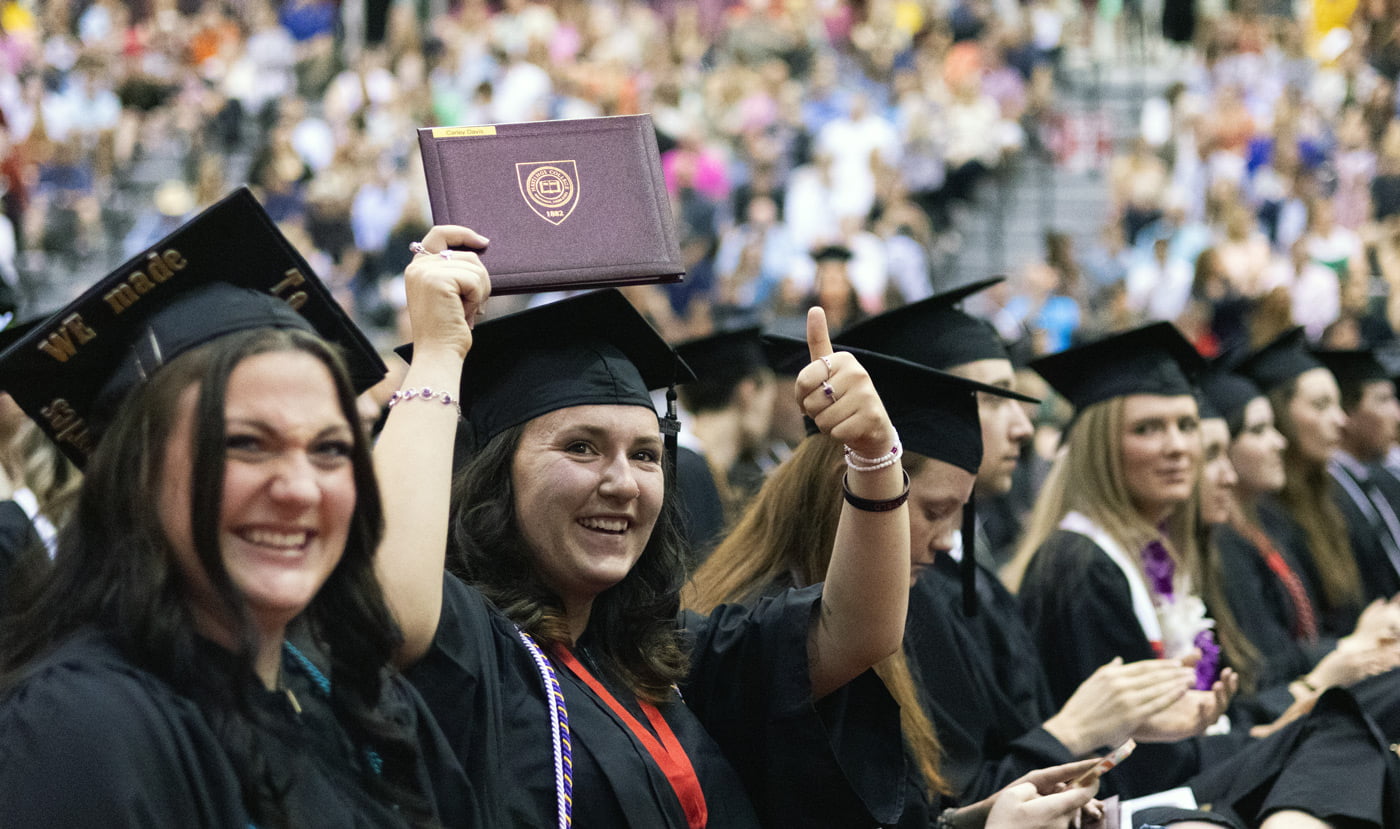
(835,391)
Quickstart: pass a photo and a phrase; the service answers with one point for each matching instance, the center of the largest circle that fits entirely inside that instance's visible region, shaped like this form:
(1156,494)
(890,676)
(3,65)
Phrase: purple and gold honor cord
(559,725)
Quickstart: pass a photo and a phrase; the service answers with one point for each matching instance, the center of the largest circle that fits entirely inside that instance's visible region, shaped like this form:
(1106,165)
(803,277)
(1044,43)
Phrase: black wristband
(868,505)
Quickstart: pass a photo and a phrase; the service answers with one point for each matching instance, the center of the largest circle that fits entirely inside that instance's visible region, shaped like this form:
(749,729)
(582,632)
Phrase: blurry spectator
(856,143)
(377,208)
(810,203)
(1385,188)
(1138,186)
(1106,261)
(754,257)
(1159,287)
(1355,165)
(1243,252)
(1051,317)
(832,288)
(1315,289)
(1328,243)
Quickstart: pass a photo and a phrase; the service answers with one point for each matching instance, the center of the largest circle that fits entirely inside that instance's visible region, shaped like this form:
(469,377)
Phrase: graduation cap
(837,253)
(1151,359)
(1353,368)
(935,414)
(228,269)
(1225,394)
(594,348)
(733,352)
(931,331)
(1281,360)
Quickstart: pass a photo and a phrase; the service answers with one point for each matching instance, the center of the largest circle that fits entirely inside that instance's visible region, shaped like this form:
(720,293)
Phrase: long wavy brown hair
(1307,494)
(774,544)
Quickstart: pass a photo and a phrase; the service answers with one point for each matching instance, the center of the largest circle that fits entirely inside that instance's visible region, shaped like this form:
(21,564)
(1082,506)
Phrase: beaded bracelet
(869,505)
(861,463)
(424,393)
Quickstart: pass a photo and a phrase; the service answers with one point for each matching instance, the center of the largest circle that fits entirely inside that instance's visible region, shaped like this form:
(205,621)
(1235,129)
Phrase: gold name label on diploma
(462,132)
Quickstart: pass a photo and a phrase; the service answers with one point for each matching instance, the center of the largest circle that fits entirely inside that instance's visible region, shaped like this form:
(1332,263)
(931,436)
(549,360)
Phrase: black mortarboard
(227,269)
(839,253)
(935,412)
(1279,361)
(1352,368)
(1152,359)
(727,354)
(1225,394)
(931,331)
(594,348)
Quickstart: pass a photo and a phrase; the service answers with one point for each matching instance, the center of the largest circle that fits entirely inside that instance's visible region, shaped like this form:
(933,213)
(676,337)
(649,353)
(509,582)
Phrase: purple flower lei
(1160,568)
(1161,574)
(1208,669)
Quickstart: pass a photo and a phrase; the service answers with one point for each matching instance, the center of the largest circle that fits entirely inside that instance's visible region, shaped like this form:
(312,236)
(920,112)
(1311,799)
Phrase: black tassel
(969,557)
(670,431)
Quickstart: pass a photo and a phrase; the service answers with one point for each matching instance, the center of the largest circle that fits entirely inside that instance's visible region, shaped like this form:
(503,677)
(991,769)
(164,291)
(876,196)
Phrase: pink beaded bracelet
(424,393)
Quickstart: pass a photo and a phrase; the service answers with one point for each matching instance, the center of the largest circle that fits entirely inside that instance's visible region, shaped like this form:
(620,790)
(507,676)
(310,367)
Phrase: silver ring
(417,247)
(826,361)
(828,391)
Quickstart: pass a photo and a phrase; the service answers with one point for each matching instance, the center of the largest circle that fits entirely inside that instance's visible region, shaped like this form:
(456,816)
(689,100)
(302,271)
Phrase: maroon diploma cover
(566,204)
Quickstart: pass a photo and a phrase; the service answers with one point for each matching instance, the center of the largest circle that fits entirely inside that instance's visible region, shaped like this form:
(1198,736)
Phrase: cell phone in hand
(1113,758)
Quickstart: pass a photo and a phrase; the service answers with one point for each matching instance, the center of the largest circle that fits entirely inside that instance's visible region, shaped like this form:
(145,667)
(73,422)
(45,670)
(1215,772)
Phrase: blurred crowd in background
(828,151)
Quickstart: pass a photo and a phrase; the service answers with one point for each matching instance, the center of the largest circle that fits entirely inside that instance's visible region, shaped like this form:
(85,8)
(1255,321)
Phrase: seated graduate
(1110,567)
(1254,570)
(995,716)
(1366,492)
(210,647)
(774,547)
(729,412)
(552,654)
(1307,411)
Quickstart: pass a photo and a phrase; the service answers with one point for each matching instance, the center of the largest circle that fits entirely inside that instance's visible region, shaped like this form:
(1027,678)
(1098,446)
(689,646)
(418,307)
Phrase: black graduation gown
(982,682)
(765,755)
(1293,542)
(1266,616)
(702,511)
(1077,605)
(88,739)
(1334,763)
(1379,579)
(19,545)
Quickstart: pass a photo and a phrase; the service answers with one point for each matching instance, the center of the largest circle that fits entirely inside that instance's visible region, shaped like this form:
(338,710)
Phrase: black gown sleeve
(1079,610)
(1264,612)
(1078,607)
(838,761)
(83,745)
(990,735)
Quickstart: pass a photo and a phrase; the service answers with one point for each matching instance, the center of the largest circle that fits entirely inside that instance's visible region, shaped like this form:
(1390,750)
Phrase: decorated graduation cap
(1151,359)
(932,331)
(592,349)
(1353,368)
(228,269)
(1281,360)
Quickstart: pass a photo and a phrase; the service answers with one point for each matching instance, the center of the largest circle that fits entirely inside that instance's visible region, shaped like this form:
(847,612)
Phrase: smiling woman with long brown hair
(211,646)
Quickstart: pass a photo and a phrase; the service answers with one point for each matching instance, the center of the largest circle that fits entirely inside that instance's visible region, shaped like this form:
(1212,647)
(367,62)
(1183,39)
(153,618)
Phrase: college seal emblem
(549,187)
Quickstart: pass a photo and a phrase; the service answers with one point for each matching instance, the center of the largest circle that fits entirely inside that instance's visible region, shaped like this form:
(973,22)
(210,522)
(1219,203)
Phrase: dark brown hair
(633,623)
(115,572)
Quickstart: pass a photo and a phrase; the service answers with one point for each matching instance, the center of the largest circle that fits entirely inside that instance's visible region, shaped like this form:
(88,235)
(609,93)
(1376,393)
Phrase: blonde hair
(775,543)
(1088,478)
